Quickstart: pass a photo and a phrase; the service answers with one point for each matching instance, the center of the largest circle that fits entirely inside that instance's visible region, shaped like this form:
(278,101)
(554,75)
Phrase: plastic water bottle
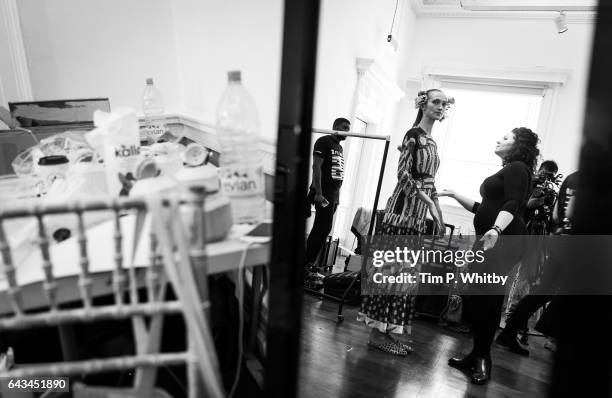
(241,171)
(153,109)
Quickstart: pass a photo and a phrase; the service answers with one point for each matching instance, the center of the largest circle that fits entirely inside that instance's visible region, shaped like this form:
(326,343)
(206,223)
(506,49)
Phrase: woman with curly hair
(390,314)
(499,215)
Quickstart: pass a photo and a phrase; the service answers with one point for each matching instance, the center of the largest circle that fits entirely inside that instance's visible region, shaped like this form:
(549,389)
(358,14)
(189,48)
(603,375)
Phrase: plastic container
(51,168)
(153,109)
(118,133)
(241,171)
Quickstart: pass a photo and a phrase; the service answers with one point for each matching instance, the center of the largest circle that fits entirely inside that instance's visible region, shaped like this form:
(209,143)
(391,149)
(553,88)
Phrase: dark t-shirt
(332,169)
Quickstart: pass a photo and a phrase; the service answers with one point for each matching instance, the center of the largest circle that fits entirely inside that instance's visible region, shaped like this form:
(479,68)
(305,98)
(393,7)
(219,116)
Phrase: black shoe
(465,363)
(508,340)
(482,371)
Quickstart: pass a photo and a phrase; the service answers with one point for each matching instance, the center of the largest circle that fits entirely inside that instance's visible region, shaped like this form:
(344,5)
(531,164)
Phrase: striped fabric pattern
(417,167)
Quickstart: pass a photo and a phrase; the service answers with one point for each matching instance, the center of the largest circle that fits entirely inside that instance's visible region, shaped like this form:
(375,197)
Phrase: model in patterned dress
(390,314)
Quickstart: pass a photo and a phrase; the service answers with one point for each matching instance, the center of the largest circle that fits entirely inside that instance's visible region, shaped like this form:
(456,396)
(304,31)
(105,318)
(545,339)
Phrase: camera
(544,196)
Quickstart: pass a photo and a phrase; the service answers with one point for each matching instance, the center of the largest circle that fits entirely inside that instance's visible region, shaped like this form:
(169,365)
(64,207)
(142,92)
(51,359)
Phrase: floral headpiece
(422,97)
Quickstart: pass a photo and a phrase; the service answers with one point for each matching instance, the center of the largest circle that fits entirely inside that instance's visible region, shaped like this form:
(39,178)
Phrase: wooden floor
(336,362)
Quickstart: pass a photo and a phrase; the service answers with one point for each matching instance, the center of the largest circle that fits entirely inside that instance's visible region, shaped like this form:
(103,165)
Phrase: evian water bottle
(241,171)
(153,109)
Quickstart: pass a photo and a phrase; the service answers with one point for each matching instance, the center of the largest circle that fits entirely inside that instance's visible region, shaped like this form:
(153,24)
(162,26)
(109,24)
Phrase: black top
(508,190)
(332,170)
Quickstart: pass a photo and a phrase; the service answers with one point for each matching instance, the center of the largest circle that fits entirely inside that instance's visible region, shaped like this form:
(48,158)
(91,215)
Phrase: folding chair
(174,251)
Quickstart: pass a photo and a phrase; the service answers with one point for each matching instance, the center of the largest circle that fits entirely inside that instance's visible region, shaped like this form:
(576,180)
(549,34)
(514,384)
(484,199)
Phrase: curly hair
(524,148)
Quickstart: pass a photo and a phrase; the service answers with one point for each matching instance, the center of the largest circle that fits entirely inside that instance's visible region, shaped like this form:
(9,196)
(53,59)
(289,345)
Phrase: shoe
(465,363)
(482,371)
(313,280)
(508,340)
(317,275)
(311,267)
(390,348)
(403,345)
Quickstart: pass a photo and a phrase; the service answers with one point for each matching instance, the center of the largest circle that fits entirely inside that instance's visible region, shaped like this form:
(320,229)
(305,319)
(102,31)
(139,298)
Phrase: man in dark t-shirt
(324,193)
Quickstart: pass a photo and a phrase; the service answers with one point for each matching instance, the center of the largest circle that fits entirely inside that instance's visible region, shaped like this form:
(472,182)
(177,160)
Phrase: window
(483,113)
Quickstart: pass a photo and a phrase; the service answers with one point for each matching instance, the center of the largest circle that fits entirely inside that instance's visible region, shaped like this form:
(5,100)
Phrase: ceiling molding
(363,64)
(533,5)
(453,10)
(536,76)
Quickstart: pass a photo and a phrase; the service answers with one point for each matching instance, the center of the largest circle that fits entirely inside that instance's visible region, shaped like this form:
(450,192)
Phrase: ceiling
(528,3)
(576,10)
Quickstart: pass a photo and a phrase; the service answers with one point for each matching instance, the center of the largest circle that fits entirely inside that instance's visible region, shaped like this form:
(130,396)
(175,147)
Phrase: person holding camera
(539,224)
(324,193)
(543,198)
(551,276)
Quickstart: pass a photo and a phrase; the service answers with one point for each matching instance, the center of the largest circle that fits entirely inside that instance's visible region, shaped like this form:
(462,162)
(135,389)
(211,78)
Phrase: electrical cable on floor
(240,289)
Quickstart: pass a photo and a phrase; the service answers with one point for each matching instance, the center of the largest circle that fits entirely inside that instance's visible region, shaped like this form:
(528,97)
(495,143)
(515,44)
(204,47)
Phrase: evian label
(153,129)
(241,181)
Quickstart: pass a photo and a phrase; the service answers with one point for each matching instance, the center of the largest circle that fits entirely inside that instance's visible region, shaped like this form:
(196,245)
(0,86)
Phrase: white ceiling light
(561,22)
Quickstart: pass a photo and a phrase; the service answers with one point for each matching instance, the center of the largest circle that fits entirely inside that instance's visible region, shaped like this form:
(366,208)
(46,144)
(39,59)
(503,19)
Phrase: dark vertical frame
(301,22)
(583,363)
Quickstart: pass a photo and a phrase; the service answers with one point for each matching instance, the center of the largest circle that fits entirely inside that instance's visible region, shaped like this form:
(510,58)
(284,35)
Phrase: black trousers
(484,305)
(321,228)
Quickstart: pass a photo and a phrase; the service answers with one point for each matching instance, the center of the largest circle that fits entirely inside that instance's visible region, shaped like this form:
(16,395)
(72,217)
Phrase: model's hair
(525,148)
(340,120)
(550,165)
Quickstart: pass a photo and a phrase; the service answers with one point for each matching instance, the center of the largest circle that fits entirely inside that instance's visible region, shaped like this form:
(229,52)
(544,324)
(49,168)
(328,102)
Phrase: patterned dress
(405,214)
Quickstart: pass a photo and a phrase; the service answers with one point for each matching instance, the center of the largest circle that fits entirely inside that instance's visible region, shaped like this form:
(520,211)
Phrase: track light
(391,40)
(561,22)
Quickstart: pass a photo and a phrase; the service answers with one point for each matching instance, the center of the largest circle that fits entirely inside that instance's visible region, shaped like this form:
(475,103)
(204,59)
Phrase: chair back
(174,249)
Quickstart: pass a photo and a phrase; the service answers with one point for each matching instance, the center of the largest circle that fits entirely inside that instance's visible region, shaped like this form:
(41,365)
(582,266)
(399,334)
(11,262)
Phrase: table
(223,256)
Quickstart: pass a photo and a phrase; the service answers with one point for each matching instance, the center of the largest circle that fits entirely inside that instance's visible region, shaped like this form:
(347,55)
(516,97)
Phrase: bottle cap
(149,80)
(233,76)
(52,160)
(195,154)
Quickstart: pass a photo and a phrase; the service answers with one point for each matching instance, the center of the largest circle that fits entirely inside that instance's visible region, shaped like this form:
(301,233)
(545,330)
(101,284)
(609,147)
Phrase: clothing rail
(349,134)
(387,140)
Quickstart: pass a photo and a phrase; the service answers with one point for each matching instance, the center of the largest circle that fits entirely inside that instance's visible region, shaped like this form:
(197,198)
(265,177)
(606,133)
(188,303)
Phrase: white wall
(100,48)
(213,38)
(350,29)
(496,43)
